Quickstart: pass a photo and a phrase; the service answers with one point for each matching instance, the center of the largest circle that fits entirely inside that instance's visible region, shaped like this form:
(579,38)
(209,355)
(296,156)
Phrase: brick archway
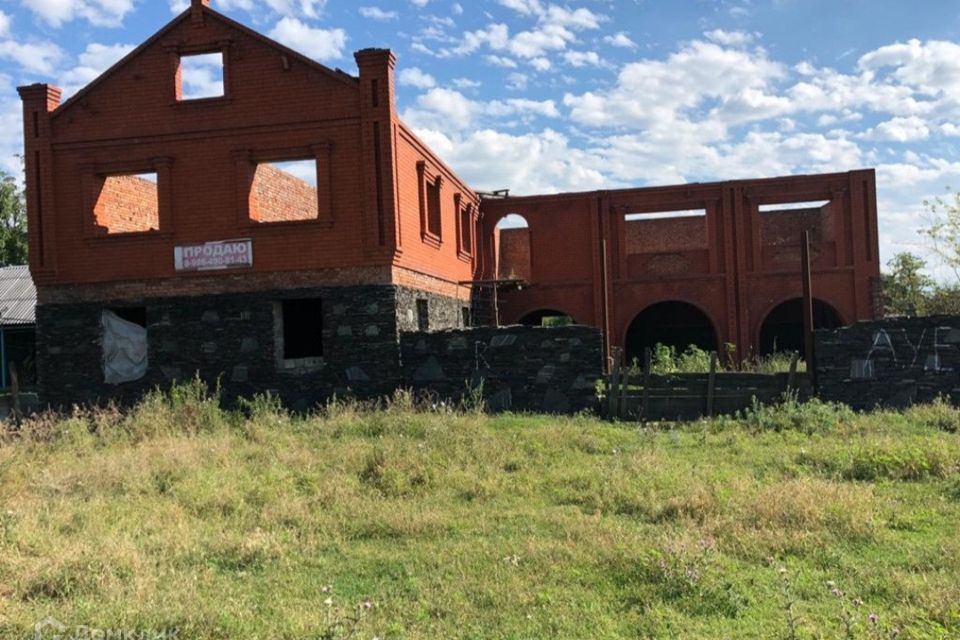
(674,323)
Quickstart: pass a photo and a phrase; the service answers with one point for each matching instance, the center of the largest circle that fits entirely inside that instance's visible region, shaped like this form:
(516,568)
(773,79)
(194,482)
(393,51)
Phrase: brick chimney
(39,101)
(377,119)
(196,10)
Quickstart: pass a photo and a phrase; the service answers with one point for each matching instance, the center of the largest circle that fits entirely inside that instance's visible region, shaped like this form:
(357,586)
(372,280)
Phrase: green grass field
(803,522)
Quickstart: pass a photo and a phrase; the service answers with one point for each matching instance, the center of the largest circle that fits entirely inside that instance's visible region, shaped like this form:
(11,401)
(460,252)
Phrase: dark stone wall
(893,362)
(552,370)
(231,338)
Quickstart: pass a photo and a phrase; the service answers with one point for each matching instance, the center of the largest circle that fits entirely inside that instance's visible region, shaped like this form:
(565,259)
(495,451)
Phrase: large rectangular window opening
(128,203)
(201,76)
(124,343)
(783,224)
(285,191)
(302,329)
(666,231)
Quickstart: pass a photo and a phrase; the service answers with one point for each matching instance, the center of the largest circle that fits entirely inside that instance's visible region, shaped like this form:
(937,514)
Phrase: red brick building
(708,264)
(281,233)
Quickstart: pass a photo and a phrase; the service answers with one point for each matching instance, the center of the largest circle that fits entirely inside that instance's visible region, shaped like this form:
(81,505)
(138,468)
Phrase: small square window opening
(201,76)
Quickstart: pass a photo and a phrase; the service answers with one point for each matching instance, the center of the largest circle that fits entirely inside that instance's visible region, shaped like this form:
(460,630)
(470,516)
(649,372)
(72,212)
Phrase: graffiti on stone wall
(909,354)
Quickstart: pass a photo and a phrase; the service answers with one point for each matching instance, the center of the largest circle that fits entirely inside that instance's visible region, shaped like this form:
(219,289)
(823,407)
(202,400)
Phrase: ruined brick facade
(385,240)
(714,264)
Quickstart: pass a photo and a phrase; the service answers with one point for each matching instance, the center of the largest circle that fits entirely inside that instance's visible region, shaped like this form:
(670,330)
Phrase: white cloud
(33,57)
(530,163)
(466,83)
(658,93)
(291,8)
(4,25)
(414,77)
(95,59)
(518,81)
(541,64)
(582,58)
(729,38)
(621,40)
(449,110)
(555,30)
(908,129)
(932,67)
(500,61)
(320,44)
(376,13)
(420,3)
(102,13)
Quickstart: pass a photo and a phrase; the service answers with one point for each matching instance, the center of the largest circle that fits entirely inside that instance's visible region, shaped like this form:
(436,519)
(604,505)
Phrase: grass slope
(458,525)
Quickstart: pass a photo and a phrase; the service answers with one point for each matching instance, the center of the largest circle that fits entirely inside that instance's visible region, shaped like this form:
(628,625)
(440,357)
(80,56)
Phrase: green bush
(812,416)
(939,415)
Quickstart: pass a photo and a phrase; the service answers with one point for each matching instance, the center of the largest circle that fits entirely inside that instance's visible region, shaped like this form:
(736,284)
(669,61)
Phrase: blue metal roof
(18,297)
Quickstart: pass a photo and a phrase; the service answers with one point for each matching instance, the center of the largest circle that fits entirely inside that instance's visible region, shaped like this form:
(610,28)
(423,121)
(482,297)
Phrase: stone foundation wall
(231,338)
(235,340)
(551,370)
(891,363)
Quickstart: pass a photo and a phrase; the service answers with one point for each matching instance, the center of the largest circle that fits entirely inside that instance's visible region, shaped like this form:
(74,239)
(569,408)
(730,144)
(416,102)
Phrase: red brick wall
(785,227)
(592,264)
(666,234)
(514,257)
(279,196)
(435,257)
(127,204)
(277,105)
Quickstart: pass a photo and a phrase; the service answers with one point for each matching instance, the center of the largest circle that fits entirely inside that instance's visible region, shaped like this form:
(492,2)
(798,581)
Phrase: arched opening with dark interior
(782,330)
(513,248)
(675,324)
(547,318)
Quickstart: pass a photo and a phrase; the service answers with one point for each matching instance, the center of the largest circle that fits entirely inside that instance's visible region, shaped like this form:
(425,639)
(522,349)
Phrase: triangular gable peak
(264,81)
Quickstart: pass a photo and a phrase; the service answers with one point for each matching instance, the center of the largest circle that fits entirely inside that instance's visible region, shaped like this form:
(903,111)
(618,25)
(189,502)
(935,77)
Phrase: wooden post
(15,394)
(613,393)
(808,353)
(712,383)
(624,389)
(645,405)
(792,376)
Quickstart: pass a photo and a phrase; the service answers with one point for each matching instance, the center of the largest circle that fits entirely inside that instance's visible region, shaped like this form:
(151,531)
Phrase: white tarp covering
(124,349)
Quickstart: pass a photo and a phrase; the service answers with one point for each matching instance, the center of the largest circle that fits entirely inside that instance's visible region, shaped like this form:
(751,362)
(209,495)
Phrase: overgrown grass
(666,360)
(792,522)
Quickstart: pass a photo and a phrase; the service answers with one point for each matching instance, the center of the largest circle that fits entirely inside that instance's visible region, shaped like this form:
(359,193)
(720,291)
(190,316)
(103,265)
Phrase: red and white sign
(212,256)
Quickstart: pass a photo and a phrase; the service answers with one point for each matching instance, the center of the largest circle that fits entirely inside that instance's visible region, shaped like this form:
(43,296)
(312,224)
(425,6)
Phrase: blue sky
(544,96)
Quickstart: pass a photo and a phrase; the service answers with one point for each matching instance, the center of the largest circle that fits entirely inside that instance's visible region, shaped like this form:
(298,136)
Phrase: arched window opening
(674,324)
(513,248)
(782,330)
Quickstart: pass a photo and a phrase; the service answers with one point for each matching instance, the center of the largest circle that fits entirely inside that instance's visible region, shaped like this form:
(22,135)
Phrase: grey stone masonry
(550,370)
(893,362)
(230,340)
(444,312)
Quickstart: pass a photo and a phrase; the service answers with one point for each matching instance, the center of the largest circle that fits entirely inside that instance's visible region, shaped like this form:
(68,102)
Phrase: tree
(13,222)
(943,232)
(905,287)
